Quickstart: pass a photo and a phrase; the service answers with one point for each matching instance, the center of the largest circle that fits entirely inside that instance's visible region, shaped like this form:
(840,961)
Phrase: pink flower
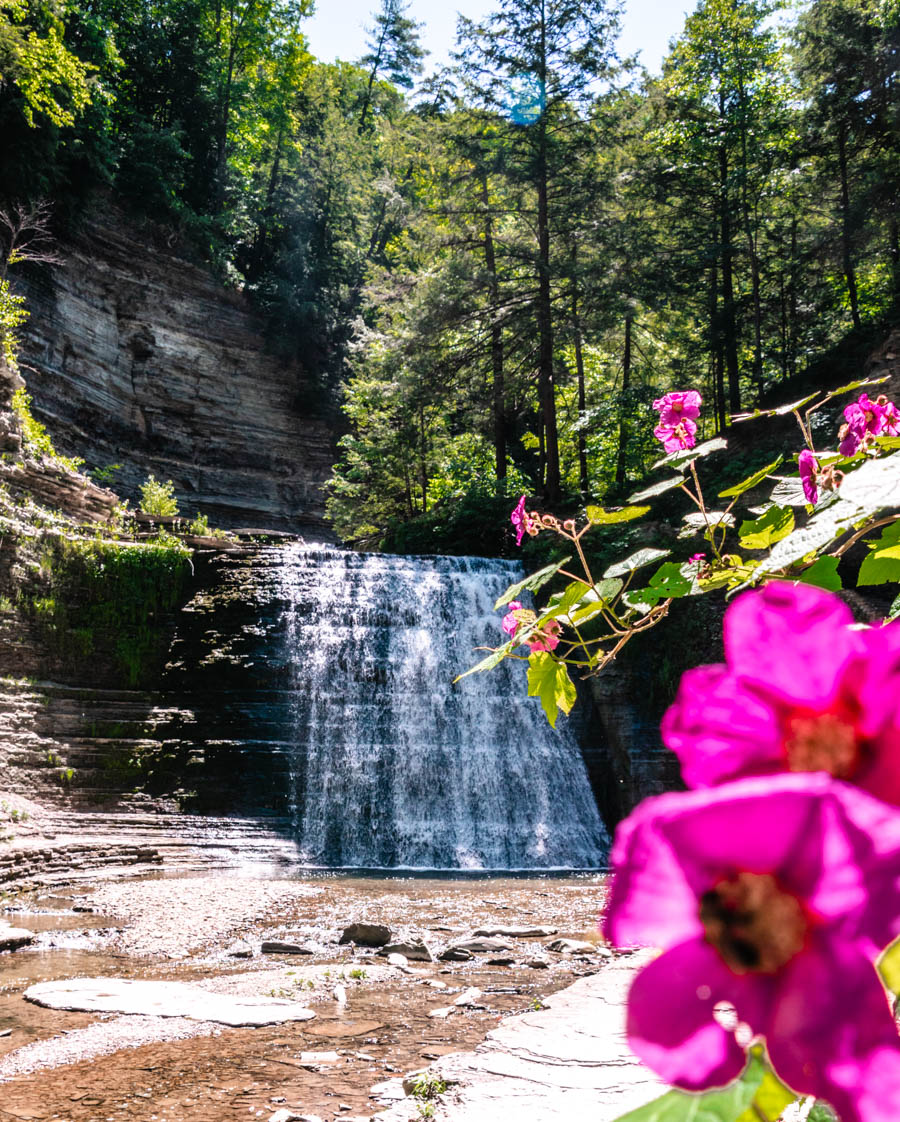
(809,468)
(891,415)
(799,691)
(873,413)
(523,521)
(864,418)
(676,438)
(547,639)
(510,624)
(698,557)
(677,407)
(775,895)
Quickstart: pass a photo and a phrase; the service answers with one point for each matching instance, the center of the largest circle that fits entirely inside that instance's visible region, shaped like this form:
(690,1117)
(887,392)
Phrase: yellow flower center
(753,924)
(825,742)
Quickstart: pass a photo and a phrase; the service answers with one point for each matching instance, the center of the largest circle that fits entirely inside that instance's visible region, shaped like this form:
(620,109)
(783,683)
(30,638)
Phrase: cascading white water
(393,765)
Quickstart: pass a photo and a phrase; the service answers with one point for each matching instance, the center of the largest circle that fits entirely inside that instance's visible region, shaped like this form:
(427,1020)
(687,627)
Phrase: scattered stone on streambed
(456,954)
(163,999)
(390,1091)
(443,1013)
(538,963)
(480,945)
(414,951)
(316,1058)
(469,997)
(517,932)
(12,938)
(571,946)
(285,1115)
(502,960)
(366,934)
(279,946)
(240,949)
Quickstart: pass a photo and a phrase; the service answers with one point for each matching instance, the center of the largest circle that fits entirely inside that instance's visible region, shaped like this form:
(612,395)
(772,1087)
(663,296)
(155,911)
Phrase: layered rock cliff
(136,357)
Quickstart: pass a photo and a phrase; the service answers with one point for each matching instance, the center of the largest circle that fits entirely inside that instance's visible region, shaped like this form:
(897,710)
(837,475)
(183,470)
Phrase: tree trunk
(750,234)
(626,385)
(715,344)
(846,240)
(498,388)
(729,333)
(423,466)
(546,391)
(579,371)
(895,260)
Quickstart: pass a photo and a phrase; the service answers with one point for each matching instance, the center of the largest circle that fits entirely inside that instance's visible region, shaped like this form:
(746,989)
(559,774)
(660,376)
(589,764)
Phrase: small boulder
(319,1058)
(391,1090)
(517,932)
(470,996)
(443,1013)
(285,1115)
(481,946)
(538,964)
(366,934)
(501,960)
(12,938)
(571,946)
(398,960)
(415,952)
(277,946)
(240,949)
(455,954)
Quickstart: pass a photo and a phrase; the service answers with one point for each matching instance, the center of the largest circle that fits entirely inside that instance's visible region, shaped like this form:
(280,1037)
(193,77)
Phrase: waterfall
(394,766)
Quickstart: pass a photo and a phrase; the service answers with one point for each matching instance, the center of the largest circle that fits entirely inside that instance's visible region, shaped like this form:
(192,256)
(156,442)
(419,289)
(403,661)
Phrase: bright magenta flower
(510,624)
(809,470)
(520,520)
(775,895)
(799,691)
(677,407)
(547,639)
(864,419)
(676,438)
(891,415)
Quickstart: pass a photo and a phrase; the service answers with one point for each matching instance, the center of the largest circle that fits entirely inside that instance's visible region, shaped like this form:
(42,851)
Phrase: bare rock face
(136,357)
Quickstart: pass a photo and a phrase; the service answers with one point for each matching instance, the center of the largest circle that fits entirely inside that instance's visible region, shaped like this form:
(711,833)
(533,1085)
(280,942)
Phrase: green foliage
(756,1096)
(768,529)
(882,564)
(12,315)
(549,680)
(158,498)
(35,437)
(428,1085)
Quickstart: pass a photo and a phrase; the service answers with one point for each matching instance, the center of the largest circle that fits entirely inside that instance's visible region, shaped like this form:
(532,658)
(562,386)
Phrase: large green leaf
(667,583)
(562,602)
(882,564)
(762,533)
(770,1101)
(677,459)
(751,481)
(636,561)
(889,967)
(656,489)
(894,611)
(696,522)
(549,680)
(789,492)
(492,660)
(531,584)
(603,593)
(726,1105)
(875,485)
(597,516)
(851,386)
(823,574)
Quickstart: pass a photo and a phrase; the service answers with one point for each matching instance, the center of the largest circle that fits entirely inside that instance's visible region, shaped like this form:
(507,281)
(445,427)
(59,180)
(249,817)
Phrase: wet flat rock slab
(164,999)
(568,1062)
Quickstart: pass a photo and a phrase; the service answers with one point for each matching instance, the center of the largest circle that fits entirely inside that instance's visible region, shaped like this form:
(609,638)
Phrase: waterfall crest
(394,766)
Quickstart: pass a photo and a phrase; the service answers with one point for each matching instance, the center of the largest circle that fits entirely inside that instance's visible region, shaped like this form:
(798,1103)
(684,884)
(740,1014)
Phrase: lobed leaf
(764,532)
(492,660)
(676,459)
(636,561)
(668,582)
(656,489)
(725,1105)
(882,564)
(751,481)
(549,680)
(823,574)
(531,584)
(597,516)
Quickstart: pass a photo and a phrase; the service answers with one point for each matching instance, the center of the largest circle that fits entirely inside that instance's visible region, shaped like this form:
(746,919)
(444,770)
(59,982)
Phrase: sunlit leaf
(597,516)
(531,584)
(725,1105)
(492,660)
(789,492)
(894,611)
(636,561)
(696,522)
(549,680)
(875,485)
(823,574)
(762,533)
(676,459)
(656,489)
(668,582)
(860,385)
(882,563)
(751,481)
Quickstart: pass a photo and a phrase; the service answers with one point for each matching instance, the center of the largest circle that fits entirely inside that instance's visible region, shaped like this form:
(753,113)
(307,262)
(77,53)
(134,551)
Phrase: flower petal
(792,641)
(829,1017)
(670,1018)
(720,729)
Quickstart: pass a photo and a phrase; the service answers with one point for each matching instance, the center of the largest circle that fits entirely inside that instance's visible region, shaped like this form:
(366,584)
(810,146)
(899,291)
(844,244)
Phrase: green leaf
(762,533)
(789,492)
(889,442)
(875,485)
(656,489)
(889,967)
(560,604)
(821,1113)
(751,481)
(531,584)
(668,582)
(597,516)
(696,522)
(726,1105)
(676,459)
(851,386)
(770,1101)
(492,660)
(882,565)
(549,680)
(894,611)
(636,561)
(823,574)
(603,593)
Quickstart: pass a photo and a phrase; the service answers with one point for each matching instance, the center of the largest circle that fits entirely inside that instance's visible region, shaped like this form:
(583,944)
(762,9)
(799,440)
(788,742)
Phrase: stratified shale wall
(138,358)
